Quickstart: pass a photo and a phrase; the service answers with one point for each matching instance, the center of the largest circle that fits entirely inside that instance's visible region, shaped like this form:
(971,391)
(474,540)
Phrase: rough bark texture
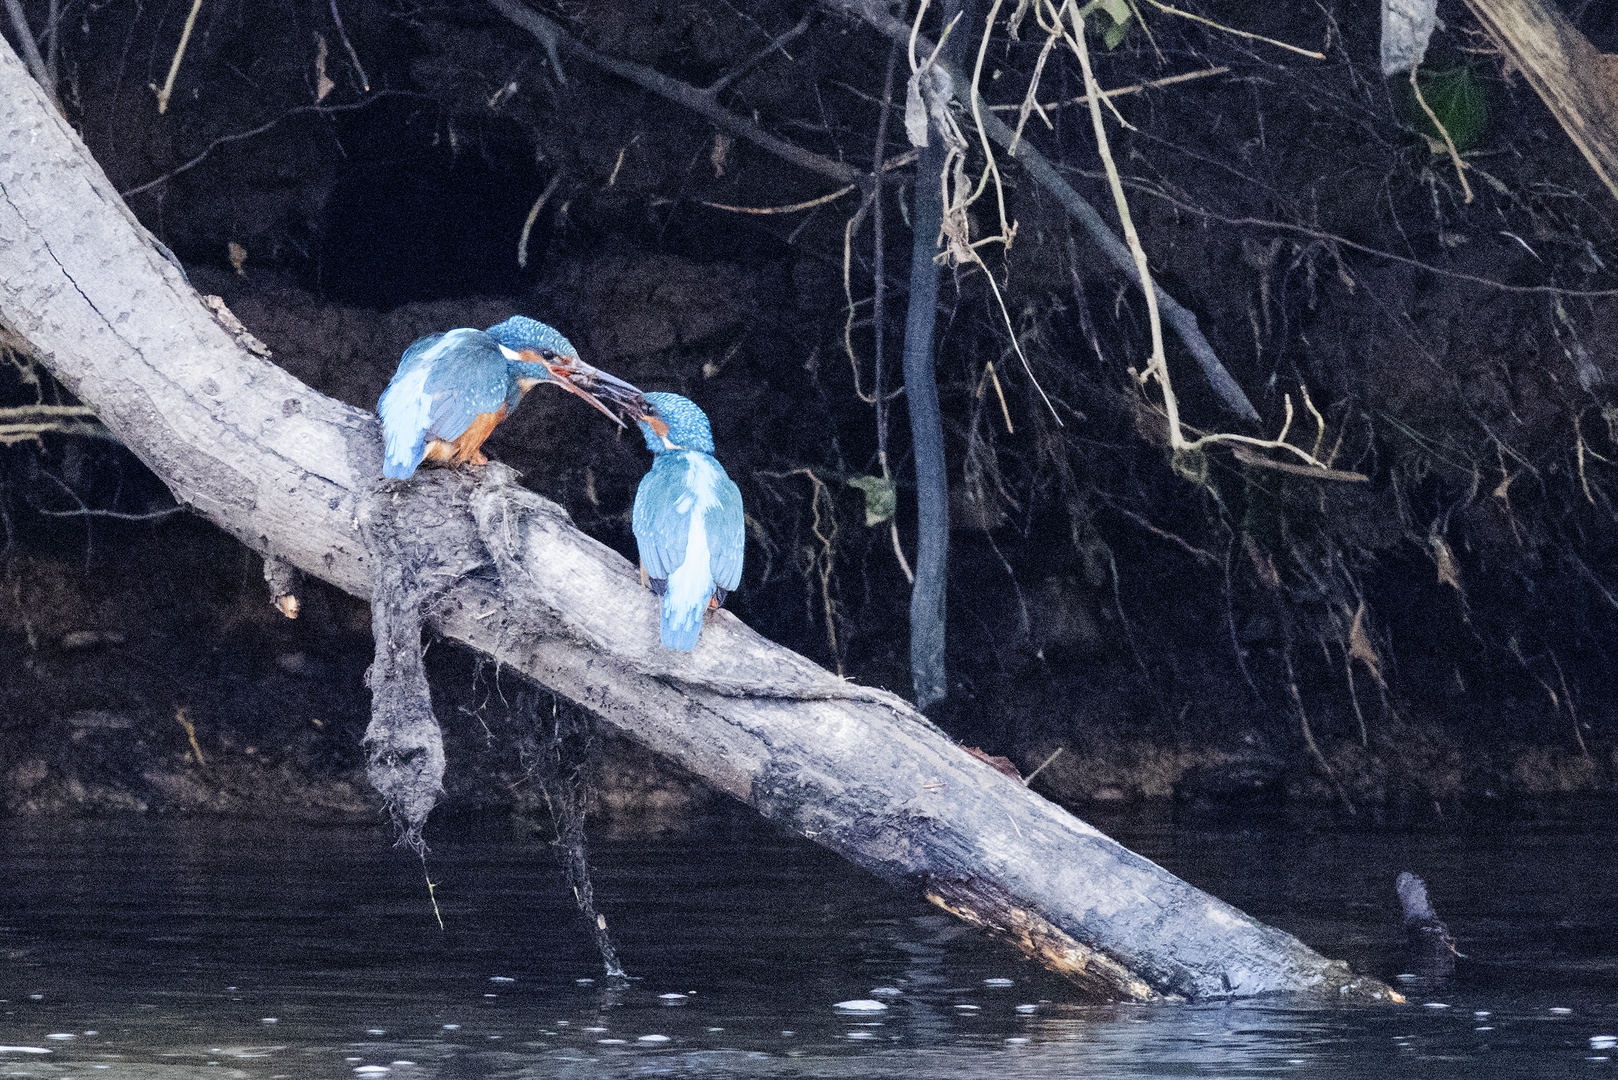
(291,473)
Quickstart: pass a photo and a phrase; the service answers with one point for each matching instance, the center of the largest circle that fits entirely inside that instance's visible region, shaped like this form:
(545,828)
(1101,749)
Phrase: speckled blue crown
(688,425)
(520,332)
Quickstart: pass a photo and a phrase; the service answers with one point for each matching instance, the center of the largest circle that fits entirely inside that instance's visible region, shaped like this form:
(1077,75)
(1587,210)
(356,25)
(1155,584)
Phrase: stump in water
(1432,950)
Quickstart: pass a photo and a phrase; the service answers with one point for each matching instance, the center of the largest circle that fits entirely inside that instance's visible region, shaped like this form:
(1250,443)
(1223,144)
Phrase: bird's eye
(547,355)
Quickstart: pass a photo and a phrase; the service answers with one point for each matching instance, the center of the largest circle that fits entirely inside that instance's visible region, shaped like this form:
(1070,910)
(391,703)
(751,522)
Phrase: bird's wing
(727,532)
(466,378)
(406,408)
(661,528)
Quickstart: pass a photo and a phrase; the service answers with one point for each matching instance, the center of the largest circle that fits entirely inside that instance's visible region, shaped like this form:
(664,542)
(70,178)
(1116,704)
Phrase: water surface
(168,949)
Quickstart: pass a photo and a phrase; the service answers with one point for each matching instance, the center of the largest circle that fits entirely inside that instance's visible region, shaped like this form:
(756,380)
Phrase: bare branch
(1039,167)
(179,54)
(762,55)
(261,129)
(30,51)
(702,102)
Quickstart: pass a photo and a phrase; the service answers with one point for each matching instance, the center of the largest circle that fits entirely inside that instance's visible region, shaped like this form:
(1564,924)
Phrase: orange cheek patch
(658,426)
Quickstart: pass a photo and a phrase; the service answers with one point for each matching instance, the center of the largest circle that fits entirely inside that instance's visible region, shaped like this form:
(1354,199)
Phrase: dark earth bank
(1432,640)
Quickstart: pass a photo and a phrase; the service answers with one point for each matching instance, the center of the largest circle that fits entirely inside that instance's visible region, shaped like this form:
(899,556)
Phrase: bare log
(290,472)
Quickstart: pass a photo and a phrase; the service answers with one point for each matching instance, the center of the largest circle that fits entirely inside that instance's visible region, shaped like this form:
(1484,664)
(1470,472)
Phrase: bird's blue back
(443,382)
(687,499)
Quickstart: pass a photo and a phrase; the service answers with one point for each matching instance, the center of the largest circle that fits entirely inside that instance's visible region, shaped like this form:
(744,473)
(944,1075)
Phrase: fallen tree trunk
(292,474)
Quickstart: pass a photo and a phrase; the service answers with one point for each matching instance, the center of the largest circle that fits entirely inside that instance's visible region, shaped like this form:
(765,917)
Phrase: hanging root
(404,746)
(566,790)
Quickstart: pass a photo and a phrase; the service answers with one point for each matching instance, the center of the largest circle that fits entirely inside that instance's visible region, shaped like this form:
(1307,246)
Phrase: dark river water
(166,949)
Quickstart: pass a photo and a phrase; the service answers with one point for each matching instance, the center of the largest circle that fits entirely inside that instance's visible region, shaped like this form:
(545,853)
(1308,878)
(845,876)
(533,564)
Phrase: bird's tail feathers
(399,462)
(680,629)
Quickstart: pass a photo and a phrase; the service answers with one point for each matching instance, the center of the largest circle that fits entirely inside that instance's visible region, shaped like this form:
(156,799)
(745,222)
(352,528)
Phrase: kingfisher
(451,390)
(688,518)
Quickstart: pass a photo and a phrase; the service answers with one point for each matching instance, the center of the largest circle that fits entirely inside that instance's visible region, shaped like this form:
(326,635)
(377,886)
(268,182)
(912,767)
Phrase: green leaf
(880,500)
(1114,34)
(1119,10)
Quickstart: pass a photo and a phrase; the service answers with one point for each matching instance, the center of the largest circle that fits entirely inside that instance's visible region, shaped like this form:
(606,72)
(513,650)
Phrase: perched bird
(688,518)
(452,389)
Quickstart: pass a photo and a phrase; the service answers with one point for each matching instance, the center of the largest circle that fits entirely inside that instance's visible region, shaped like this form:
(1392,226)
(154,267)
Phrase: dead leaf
(1448,572)
(995,762)
(323,84)
(1359,645)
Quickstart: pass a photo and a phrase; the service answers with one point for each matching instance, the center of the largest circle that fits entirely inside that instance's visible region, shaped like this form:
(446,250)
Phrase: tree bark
(293,473)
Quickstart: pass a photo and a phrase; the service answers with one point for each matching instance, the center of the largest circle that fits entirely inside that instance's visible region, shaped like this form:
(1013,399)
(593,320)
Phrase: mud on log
(288,471)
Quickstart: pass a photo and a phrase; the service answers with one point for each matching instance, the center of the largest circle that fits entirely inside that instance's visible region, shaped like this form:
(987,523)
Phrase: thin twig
(179,54)
(1247,457)
(792,209)
(1167,10)
(1157,366)
(365,82)
(1309,736)
(549,33)
(20,433)
(30,51)
(1191,549)
(1029,779)
(533,215)
(1377,253)
(261,129)
(1449,143)
(85,510)
(778,44)
(879,166)
(1029,99)
(1084,99)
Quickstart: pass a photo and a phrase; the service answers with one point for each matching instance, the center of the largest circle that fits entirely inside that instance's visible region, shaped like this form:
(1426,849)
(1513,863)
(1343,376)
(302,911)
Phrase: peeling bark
(290,472)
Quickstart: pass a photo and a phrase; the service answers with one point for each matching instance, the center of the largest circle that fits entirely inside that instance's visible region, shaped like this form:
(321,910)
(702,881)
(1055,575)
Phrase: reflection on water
(171,949)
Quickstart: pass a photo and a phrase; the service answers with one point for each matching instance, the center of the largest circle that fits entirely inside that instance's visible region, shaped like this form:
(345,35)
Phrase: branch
(929,591)
(30,51)
(702,102)
(261,129)
(1039,167)
(763,54)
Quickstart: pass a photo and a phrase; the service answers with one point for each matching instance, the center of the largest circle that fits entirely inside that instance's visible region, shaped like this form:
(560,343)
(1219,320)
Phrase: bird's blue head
(672,422)
(522,334)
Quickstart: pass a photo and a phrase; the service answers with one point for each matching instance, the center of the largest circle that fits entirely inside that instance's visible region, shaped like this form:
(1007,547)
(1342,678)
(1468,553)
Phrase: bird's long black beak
(600,389)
